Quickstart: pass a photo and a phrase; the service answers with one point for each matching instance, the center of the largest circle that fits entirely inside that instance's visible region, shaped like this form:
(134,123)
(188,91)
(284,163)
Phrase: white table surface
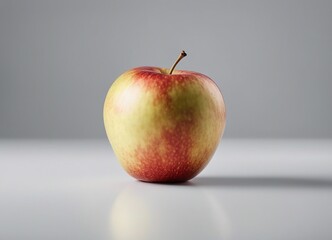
(251,189)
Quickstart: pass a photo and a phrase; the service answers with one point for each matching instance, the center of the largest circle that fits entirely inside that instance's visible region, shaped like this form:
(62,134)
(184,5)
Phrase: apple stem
(182,55)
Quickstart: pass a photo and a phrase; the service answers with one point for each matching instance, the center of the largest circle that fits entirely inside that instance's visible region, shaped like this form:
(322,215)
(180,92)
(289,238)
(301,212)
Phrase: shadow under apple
(262,181)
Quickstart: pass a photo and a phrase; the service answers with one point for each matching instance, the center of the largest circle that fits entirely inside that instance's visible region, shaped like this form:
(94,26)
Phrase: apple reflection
(149,211)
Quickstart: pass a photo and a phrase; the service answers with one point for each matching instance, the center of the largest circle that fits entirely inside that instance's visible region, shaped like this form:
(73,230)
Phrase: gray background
(272,60)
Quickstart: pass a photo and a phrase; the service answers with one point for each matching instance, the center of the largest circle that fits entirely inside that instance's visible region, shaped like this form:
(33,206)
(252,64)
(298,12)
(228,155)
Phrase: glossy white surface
(252,189)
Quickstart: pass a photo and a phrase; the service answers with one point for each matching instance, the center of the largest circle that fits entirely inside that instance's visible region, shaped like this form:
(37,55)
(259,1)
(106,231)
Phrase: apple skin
(164,127)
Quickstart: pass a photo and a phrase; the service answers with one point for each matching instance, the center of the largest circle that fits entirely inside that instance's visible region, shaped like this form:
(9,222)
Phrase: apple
(164,125)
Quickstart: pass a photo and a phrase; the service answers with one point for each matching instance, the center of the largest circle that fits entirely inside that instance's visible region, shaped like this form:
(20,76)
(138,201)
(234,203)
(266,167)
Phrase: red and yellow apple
(164,125)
